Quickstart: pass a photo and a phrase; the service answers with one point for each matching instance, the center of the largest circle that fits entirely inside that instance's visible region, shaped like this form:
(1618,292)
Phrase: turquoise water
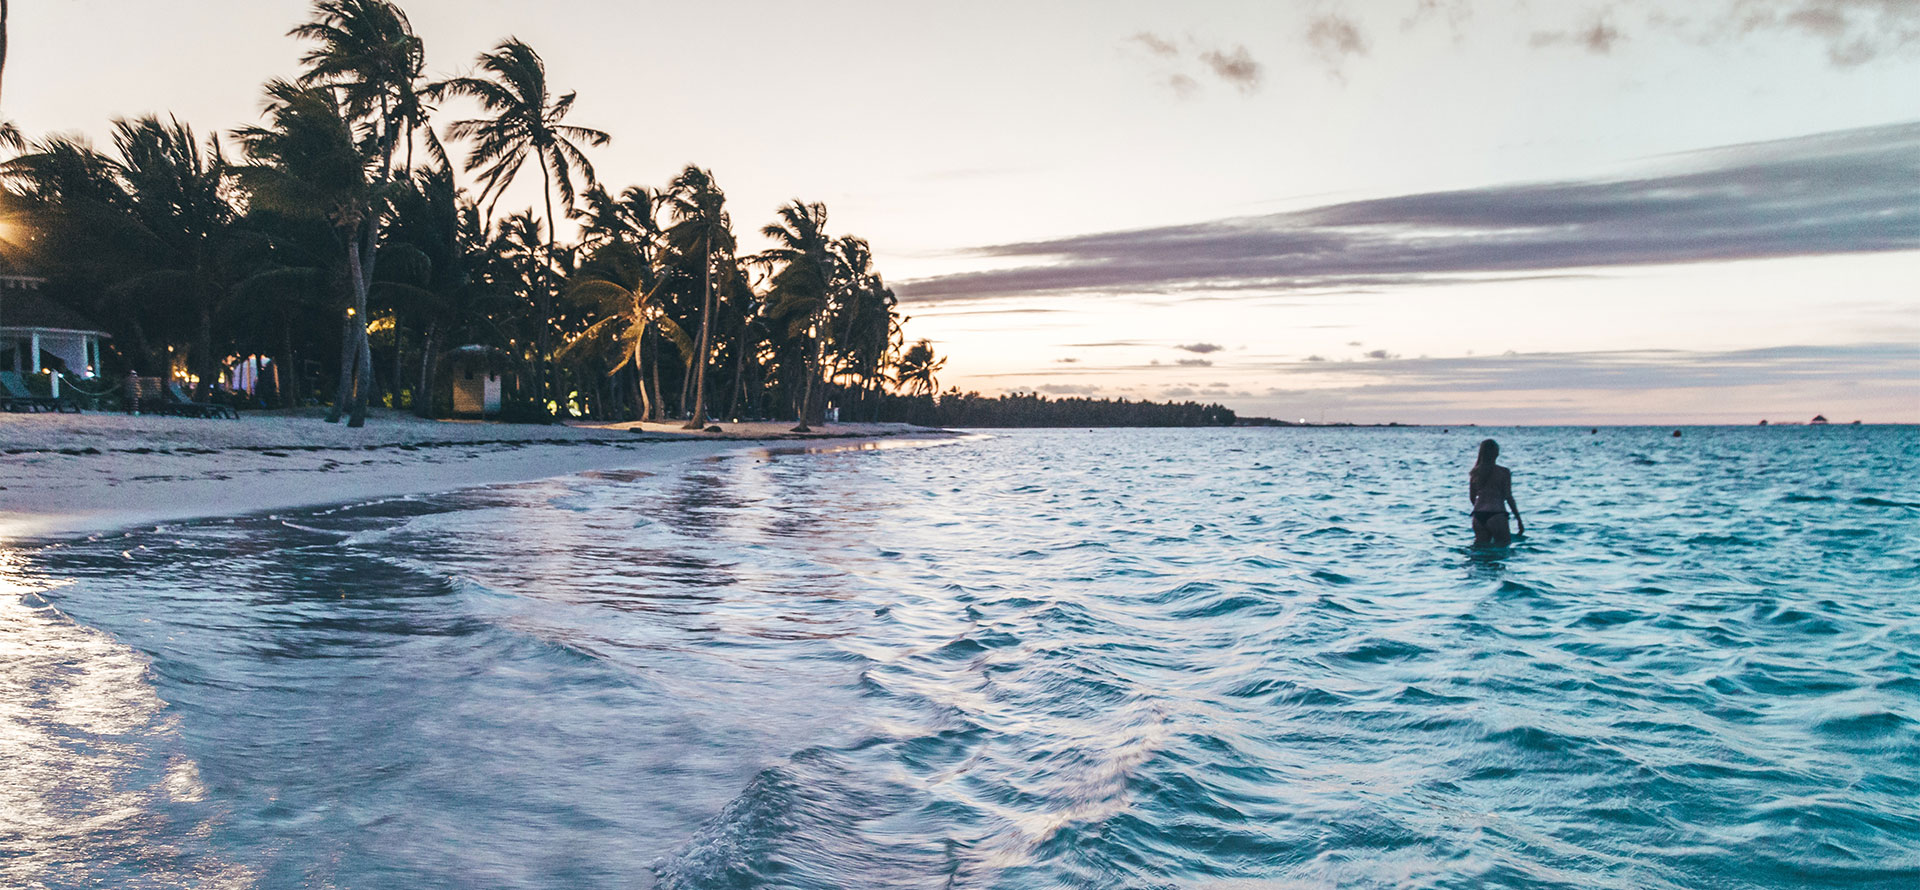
(1188,659)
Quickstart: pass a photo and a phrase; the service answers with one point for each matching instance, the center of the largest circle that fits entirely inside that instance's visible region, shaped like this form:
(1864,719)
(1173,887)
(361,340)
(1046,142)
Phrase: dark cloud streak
(1855,191)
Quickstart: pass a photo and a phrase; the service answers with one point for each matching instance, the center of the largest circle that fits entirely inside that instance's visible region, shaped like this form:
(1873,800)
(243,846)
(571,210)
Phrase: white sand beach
(66,474)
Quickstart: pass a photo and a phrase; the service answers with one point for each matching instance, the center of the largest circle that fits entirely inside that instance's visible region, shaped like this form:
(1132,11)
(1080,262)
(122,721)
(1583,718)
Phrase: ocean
(1233,658)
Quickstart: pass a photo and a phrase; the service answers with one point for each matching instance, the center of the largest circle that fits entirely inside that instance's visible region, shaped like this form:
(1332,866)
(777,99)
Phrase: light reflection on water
(90,773)
(1246,658)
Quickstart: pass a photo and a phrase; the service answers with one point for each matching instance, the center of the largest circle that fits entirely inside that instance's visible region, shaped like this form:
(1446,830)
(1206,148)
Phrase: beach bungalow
(475,373)
(38,335)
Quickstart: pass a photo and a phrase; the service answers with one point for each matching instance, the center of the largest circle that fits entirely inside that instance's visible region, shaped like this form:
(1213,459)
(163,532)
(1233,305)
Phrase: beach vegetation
(342,242)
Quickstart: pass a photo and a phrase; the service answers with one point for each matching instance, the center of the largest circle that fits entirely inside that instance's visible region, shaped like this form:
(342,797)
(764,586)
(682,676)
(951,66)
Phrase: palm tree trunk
(343,393)
(286,372)
(363,370)
(204,364)
(3,36)
(697,419)
(359,261)
(659,395)
(817,403)
(737,403)
(542,369)
(423,395)
(399,365)
(806,395)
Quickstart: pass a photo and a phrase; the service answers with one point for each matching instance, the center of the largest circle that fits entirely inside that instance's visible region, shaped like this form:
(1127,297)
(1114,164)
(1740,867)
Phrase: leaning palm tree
(369,63)
(525,120)
(307,164)
(619,287)
(703,232)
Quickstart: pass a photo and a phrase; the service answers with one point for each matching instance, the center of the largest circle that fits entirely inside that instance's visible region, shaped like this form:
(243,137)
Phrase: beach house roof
(24,308)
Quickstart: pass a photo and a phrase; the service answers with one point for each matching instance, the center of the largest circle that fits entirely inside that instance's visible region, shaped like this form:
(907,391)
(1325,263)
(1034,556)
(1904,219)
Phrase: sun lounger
(15,396)
(191,408)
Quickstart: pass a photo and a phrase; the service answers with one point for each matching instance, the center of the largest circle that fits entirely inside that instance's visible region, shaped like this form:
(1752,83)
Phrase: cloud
(1597,38)
(1315,358)
(1854,191)
(1381,355)
(1782,382)
(1178,392)
(1336,36)
(1893,364)
(1154,43)
(1068,389)
(1201,348)
(1178,65)
(1852,32)
(1066,361)
(1237,68)
(1195,363)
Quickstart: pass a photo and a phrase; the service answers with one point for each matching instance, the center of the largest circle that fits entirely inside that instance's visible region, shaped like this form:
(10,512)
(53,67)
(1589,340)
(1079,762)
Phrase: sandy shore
(70,474)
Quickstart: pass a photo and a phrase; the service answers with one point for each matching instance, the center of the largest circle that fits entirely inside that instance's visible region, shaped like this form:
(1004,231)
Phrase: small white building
(476,380)
(39,335)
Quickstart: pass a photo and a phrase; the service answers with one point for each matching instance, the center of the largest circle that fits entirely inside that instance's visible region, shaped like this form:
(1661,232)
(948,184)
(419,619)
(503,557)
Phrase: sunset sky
(1439,211)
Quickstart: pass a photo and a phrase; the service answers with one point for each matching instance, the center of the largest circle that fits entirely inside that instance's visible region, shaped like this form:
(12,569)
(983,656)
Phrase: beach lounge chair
(187,406)
(15,396)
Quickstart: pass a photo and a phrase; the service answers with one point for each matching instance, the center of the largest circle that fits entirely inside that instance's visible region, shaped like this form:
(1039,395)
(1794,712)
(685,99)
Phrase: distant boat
(1818,418)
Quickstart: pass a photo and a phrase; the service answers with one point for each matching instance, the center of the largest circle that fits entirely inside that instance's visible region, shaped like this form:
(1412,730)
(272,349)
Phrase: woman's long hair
(1483,465)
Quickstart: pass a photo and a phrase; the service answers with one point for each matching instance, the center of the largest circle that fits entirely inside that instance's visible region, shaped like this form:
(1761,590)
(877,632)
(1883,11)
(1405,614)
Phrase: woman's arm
(1514,505)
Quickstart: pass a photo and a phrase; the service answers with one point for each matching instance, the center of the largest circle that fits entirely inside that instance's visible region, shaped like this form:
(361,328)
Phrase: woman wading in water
(1491,488)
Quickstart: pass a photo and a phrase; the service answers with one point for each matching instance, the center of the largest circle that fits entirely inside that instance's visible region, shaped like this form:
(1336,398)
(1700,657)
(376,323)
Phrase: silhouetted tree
(525,120)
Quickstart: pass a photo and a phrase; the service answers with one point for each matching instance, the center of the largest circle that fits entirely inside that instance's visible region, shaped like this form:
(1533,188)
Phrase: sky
(1425,211)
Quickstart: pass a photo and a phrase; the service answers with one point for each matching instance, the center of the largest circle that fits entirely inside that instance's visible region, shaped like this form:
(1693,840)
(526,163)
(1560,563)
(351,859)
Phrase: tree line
(338,239)
(355,240)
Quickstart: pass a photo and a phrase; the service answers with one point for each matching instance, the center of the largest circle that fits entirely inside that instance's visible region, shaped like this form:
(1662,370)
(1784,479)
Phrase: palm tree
(916,369)
(368,52)
(524,121)
(625,240)
(866,328)
(516,264)
(308,164)
(632,218)
(702,231)
(802,289)
(619,287)
(179,196)
(435,246)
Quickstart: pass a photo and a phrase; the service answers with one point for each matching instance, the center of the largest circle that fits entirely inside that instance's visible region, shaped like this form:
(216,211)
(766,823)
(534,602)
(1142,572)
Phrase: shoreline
(71,475)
